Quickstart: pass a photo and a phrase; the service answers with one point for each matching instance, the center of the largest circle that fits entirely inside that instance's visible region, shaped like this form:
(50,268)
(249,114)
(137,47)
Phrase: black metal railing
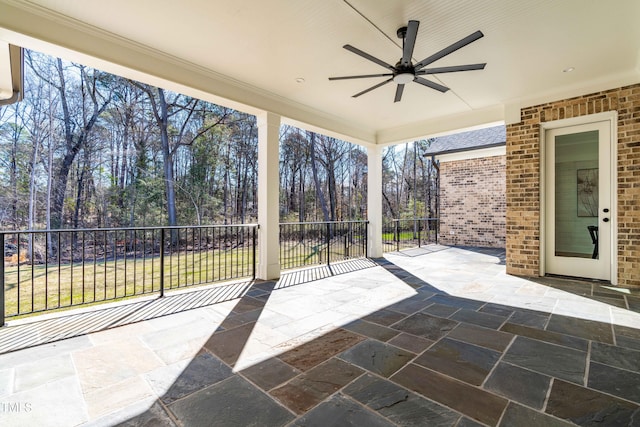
(399,234)
(44,270)
(315,243)
(52,269)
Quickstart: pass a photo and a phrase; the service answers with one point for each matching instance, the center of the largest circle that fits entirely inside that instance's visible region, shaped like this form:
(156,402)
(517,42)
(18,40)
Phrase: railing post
(346,236)
(397,233)
(2,312)
(419,227)
(328,241)
(162,243)
(366,236)
(254,251)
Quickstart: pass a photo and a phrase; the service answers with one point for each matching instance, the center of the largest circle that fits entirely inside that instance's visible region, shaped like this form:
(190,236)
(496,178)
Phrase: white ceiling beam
(470,120)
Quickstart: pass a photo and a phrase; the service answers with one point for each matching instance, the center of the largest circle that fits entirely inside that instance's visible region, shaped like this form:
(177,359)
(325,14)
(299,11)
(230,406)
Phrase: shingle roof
(465,141)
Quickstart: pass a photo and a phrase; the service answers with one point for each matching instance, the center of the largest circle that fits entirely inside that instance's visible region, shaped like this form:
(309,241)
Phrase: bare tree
(180,108)
(82,103)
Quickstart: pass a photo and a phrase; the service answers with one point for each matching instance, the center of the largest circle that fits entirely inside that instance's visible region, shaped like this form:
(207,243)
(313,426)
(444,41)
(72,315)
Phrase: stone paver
(377,357)
(134,416)
(6,382)
(546,336)
(622,358)
(398,404)
(483,337)
(518,384)
(306,391)
(108,399)
(228,344)
(618,382)
(527,318)
(310,354)
(384,317)
(232,403)
(426,326)
(584,406)
(202,371)
(521,416)
(549,359)
(34,374)
(471,401)
(442,338)
(411,343)
(338,410)
(108,364)
(478,318)
(57,403)
(466,362)
(372,330)
(587,329)
(270,373)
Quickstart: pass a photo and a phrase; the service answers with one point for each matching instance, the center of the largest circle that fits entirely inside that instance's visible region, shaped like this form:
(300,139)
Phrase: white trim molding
(472,154)
(612,118)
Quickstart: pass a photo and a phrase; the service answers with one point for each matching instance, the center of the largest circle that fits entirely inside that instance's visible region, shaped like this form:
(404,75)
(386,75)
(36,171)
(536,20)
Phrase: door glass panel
(576,195)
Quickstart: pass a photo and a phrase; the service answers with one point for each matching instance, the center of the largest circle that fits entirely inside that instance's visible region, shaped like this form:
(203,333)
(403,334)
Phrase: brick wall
(473,202)
(523,179)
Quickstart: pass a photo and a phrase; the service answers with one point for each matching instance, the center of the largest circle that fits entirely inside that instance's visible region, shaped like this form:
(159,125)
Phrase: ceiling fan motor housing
(403,75)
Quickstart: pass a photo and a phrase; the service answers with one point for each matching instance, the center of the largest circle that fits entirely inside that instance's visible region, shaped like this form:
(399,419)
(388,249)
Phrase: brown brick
(473,202)
(523,177)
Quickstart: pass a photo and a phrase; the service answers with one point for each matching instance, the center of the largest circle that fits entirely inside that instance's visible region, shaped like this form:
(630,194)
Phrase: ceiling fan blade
(431,84)
(409,42)
(367,56)
(365,76)
(371,88)
(450,49)
(453,69)
(399,91)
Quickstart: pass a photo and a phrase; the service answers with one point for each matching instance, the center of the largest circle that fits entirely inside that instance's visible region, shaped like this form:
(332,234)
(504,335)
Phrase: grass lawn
(40,287)
(298,254)
(404,235)
(34,288)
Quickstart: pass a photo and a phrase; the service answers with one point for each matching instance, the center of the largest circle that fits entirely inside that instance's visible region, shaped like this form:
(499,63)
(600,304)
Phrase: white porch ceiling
(248,54)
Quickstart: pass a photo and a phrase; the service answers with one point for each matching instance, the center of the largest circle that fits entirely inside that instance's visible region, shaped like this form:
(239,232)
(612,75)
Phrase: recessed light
(568,70)
(300,80)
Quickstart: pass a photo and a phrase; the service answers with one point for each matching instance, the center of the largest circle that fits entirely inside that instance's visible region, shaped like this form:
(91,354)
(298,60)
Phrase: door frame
(612,118)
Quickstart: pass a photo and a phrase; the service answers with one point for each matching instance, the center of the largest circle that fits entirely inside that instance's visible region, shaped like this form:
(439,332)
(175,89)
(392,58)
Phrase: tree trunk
(32,184)
(73,141)
(167,157)
(386,199)
(331,178)
(13,173)
(59,188)
(316,179)
(302,203)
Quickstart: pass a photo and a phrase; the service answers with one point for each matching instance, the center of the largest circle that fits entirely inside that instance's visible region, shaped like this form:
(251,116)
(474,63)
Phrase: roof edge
(460,150)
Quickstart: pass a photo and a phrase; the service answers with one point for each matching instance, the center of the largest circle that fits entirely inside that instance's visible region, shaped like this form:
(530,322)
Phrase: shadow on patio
(439,338)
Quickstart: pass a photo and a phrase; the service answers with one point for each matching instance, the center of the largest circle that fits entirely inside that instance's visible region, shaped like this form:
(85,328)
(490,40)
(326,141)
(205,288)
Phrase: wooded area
(89,149)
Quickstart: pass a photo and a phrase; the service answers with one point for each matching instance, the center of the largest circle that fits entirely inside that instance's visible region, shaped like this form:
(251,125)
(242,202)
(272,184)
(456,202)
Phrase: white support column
(374,200)
(268,196)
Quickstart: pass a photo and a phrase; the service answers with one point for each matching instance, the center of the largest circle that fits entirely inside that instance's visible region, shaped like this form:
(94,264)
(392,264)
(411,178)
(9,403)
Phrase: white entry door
(578,201)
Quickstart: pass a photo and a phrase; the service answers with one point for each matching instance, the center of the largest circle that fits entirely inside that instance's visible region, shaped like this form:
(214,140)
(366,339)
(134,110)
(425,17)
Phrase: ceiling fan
(405,71)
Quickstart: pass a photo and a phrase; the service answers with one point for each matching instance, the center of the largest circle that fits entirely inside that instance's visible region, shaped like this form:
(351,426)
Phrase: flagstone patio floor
(436,336)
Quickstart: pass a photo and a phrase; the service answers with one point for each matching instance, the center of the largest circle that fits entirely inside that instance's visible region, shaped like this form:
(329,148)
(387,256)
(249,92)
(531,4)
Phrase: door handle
(605,219)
